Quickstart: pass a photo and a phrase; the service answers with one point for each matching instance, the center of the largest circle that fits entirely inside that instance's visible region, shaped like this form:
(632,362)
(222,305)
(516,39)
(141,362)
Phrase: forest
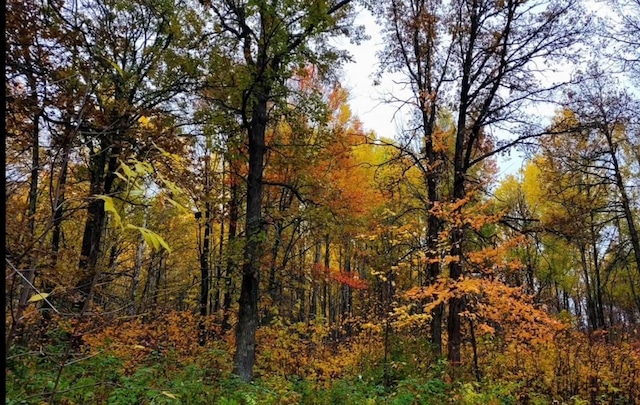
(195,215)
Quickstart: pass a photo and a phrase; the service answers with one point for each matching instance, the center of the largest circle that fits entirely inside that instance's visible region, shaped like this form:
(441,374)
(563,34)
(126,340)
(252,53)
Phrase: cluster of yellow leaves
(305,350)
(598,367)
(406,316)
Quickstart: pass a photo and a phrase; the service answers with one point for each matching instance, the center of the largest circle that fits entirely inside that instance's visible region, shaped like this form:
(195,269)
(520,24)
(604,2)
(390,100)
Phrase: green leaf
(136,193)
(116,67)
(121,177)
(38,297)
(176,204)
(143,168)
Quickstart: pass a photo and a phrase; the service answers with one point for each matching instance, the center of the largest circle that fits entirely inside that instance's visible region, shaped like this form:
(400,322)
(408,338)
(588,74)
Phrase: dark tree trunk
(30,273)
(273,282)
(204,256)
(433,230)
(101,183)
(457,233)
(302,296)
(313,305)
(345,308)
(328,302)
(249,290)
(58,204)
(598,303)
(219,265)
(137,270)
(58,215)
(231,262)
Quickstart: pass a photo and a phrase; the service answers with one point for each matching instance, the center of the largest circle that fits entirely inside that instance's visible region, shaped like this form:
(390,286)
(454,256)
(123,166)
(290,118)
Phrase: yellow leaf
(127,170)
(168,394)
(145,122)
(110,207)
(151,238)
(116,67)
(38,297)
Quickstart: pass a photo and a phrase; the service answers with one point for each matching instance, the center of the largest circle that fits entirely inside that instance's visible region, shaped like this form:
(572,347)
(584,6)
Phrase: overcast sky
(383,118)
(366,99)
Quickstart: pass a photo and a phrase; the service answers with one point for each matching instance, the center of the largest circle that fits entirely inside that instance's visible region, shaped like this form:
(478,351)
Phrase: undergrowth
(161,363)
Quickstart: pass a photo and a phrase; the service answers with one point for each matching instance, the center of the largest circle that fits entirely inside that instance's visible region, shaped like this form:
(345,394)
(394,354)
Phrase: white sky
(383,118)
(366,99)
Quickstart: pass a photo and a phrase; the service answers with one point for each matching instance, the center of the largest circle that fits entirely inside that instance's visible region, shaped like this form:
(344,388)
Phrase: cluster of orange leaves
(491,305)
(134,340)
(351,279)
(522,344)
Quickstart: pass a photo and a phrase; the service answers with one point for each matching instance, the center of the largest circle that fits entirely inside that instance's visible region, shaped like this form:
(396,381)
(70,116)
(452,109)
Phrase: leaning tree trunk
(30,274)
(626,205)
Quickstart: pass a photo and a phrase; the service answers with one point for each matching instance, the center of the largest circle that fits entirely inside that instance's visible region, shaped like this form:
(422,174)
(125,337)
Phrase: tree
(415,48)
(32,41)
(623,32)
(497,47)
(134,59)
(608,116)
(271,39)
(482,57)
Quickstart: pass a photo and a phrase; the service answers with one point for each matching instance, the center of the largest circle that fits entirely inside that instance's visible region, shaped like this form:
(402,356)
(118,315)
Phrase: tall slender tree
(271,39)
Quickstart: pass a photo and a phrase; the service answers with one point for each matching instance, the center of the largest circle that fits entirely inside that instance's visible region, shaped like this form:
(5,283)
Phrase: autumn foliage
(195,215)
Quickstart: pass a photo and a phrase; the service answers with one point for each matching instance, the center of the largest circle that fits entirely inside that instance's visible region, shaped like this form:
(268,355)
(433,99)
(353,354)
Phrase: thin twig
(32,286)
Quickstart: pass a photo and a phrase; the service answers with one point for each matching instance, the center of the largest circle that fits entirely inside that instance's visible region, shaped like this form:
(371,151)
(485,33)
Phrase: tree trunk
(137,270)
(58,203)
(591,311)
(30,274)
(433,266)
(327,284)
(204,256)
(58,214)
(313,305)
(249,290)
(231,242)
(101,183)
(599,306)
(457,237)
(624,197)
(219,264)
(345,309)
(273,282)
(302,313)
